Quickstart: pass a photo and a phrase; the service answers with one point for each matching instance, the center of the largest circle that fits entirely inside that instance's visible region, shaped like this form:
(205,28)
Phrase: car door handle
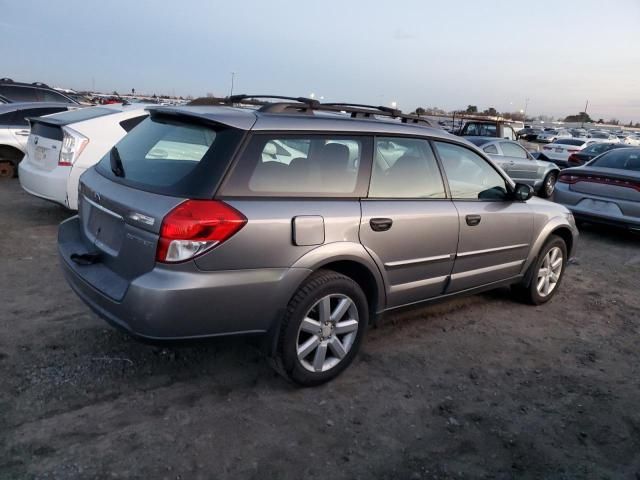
(473,220)
(380,224)
(24,133)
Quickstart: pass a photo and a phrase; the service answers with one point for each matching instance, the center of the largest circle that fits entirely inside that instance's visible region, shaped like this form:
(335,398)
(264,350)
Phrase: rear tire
(322,329)
(548,185)
(546,273)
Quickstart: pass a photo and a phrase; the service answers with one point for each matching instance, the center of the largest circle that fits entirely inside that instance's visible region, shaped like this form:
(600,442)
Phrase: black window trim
(362,182)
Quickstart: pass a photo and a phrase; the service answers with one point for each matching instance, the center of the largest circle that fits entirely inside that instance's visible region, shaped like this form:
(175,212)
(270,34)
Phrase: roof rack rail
(6,80)
(309,105)
(40,84)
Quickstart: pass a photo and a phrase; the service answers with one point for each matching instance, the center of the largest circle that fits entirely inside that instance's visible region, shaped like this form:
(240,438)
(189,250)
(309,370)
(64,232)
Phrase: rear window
(301,166)
(597,148)
(624,159)
(82,114)
(480,129)
(172,156)
(569,141)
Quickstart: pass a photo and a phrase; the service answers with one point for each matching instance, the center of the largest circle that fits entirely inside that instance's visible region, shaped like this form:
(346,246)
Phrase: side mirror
(522,192)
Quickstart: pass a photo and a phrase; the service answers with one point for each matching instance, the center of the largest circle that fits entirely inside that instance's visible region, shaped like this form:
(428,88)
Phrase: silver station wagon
(301,221)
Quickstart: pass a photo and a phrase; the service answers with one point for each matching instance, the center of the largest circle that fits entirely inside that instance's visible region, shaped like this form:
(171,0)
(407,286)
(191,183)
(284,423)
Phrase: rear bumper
(175,303)
(50,185)
(572,199)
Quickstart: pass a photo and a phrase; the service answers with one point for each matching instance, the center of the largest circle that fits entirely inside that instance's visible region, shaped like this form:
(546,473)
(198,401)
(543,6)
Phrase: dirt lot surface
(480,387)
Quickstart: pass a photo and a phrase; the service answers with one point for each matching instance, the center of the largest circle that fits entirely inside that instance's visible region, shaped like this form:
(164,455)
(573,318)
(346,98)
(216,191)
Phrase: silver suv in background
(301,221)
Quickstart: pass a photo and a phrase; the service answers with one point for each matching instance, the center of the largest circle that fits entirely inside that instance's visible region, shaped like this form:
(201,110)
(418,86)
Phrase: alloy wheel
(549,272)
(327,332)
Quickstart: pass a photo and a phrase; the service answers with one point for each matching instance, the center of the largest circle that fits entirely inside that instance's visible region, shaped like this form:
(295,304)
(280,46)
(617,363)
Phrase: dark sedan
(591,152)
(605,190)
(529,133)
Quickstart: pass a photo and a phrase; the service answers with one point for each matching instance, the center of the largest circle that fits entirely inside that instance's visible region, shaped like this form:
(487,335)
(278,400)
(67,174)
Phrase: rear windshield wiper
(116,163)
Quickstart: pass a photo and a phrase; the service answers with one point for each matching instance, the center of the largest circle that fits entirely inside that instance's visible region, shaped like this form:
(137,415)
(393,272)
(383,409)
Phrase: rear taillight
(194,227)
(568,178)
(573,159)
(73,143)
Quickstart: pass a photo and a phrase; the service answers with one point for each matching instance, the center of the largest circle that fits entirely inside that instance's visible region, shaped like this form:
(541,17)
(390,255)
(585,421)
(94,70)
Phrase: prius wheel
(546,273)
(549,185)
(7,169)
(322,329)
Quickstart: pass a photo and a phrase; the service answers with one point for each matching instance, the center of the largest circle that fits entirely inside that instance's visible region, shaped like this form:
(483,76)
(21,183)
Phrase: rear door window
(513,150)
(405,168)
(173,156)
(51,96)
(17,93)
(301,165)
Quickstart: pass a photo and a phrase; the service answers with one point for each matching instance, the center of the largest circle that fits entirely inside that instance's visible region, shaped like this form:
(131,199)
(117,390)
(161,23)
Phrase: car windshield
(623,159)
(478,142)
(597,148)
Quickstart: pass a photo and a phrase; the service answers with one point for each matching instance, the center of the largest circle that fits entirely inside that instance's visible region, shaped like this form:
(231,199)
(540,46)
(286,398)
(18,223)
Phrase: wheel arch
(353,261)
(11,153)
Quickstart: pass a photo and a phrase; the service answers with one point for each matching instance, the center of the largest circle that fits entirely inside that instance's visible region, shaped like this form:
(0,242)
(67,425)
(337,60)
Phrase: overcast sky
(557,53)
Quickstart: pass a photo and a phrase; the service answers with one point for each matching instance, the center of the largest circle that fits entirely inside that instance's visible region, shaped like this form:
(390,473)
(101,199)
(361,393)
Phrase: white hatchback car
(62,146)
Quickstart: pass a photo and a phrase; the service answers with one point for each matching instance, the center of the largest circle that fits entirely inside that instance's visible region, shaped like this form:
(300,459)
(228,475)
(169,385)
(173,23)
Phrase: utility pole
(586,105)
(524,116)
(233,76)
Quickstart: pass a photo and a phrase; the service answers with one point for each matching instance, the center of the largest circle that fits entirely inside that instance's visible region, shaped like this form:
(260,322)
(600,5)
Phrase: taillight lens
(574,159)
(196,226)
(568,178)
(73,143)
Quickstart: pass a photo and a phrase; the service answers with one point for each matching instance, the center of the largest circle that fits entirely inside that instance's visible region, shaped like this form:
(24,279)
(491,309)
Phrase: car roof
(12,107)
(252,119)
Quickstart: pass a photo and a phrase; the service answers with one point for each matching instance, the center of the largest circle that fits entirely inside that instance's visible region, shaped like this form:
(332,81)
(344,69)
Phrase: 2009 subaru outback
(301,221)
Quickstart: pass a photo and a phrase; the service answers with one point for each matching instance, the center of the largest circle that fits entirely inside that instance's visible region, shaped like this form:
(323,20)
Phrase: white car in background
(559,151)
(603,137)
(549,136)
(633,139)
(63,146)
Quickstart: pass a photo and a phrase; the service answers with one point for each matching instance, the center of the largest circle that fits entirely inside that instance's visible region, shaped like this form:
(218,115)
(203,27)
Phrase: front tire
(322,329)
(548,185)
(547,273)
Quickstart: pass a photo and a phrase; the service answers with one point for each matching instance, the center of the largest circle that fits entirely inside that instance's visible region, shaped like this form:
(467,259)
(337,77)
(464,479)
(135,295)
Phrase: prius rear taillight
(194,227)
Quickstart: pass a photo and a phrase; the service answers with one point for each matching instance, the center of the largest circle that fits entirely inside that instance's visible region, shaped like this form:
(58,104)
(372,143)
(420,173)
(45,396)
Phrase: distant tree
(133,91)
(637,125)
(472,109)
(491,111)
(115,93)
(420,111)
(614,121)
(630,124)
(154,96)
(600,120)
(582,117)
(210,95)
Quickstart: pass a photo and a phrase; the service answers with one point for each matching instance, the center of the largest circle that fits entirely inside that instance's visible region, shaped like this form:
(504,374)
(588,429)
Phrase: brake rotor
(7,169)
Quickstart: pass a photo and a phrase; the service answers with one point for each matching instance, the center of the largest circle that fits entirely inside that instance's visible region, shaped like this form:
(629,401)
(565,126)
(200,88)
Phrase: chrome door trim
(437,258)
(100,207)
(492,250)
(418,284)
(492,268)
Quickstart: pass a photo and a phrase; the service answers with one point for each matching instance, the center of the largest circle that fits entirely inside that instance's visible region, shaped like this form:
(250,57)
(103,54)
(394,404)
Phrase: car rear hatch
(48,133)
(167,159)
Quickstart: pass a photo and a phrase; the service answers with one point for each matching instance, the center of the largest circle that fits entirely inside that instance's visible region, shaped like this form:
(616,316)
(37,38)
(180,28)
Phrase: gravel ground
(480,387)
